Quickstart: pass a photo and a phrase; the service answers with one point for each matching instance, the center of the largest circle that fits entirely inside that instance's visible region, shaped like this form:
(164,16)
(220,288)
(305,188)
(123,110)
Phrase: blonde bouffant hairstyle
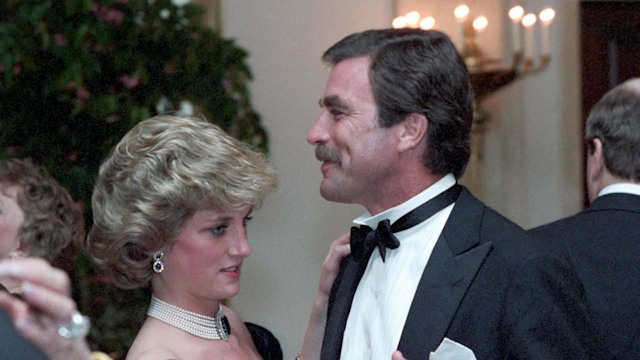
(157,176)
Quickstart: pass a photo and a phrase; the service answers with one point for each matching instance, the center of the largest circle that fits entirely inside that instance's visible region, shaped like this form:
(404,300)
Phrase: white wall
(291,234)
(533,161)
(532,149)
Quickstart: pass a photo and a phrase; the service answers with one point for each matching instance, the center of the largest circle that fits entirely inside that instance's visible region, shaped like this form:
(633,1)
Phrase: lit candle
(413,19)
(399,22)
(528,21)
(546,16)
(461,12)
(480,23)
(515,14)
(428,23)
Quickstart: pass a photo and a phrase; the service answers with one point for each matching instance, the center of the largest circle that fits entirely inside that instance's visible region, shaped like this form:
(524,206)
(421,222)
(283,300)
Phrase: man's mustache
(323,153)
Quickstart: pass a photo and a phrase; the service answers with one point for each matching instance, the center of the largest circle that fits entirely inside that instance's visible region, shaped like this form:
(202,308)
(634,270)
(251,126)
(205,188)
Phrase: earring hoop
(158,266)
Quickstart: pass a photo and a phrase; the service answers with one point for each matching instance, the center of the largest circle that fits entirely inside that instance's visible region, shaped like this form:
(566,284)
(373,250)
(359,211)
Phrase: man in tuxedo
(603,241)
(394,136)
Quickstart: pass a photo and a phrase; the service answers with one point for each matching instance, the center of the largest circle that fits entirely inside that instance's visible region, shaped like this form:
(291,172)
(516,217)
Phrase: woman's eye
(218,230)
(247,219)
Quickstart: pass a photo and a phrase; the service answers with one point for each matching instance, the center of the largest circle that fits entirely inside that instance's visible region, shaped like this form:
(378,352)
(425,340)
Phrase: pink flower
(227,84)
(130,81)
(112,118)
(113,16)
(12,150)
(168,69)
(59,39)
(73,156)
(82,93)
(108,15)
(17,69)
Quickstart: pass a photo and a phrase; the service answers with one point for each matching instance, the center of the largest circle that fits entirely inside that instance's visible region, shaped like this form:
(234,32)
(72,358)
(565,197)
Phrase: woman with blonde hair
(170,209)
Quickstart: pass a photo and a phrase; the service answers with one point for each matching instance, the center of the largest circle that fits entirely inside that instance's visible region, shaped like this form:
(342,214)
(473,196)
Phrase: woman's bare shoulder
(155,353)
(146,345)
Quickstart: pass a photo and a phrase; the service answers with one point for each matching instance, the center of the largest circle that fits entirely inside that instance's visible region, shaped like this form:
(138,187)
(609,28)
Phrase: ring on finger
(78,327)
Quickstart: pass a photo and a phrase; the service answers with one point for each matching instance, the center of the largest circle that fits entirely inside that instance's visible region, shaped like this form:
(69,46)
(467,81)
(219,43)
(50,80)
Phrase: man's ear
(412,131)
(595,161)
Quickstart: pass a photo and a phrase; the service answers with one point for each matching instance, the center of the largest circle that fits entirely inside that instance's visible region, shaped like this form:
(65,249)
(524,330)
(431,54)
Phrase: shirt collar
(620,188)
(398,211)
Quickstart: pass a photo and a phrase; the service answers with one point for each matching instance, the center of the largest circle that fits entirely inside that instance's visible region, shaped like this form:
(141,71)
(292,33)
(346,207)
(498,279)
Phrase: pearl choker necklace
(207,327)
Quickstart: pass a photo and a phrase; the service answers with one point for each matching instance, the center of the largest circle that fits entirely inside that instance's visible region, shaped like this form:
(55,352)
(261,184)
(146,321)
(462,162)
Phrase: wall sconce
(488,74)
(523,33)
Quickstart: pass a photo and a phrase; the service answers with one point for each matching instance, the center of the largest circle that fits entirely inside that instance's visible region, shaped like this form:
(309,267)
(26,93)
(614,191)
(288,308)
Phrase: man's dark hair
(418,71)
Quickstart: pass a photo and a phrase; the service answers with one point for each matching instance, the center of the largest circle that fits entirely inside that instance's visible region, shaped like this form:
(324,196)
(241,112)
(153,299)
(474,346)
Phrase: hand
(337,251)
(45,304)
(318,319)
(397,355)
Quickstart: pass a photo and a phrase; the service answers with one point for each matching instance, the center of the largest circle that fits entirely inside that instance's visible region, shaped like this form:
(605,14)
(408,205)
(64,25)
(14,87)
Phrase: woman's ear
(18,254)
(412,131)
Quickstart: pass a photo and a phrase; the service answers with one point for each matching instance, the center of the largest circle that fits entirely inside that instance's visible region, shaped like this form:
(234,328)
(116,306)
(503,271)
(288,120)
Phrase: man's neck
(402,193)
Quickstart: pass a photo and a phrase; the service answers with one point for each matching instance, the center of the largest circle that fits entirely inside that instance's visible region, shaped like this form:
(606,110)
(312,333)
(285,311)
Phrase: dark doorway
(610,38)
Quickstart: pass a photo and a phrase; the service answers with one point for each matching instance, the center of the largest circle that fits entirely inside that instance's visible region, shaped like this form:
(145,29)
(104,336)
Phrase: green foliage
(75,75)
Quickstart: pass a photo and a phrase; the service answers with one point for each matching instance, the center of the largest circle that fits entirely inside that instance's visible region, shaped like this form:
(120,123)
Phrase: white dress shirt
(385,293)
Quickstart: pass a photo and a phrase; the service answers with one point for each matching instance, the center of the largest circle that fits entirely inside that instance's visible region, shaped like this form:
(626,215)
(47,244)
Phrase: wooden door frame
(601,24)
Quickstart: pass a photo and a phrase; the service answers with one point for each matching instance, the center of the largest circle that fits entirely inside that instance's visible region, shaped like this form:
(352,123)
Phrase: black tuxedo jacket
(486,286)
(603,244)
(12,345)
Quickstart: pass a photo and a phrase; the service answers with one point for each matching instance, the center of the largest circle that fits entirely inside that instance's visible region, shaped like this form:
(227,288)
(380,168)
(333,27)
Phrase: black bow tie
(364,239)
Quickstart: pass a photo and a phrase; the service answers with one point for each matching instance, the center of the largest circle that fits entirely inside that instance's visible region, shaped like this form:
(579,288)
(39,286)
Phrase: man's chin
(329,193)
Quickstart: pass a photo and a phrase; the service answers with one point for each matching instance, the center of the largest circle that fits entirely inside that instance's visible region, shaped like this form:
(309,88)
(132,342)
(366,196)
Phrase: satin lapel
(340,300)
(453,264)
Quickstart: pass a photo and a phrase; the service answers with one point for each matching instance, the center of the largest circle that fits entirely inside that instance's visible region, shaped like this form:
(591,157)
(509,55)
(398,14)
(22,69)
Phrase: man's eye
(337,114)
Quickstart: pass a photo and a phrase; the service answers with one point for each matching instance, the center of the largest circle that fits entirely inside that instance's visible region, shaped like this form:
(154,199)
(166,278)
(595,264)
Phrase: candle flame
(412,18)
(399,22)
(516,13)
(547,15)
(529,20)
(461,12)
(480,23)
(428,23)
